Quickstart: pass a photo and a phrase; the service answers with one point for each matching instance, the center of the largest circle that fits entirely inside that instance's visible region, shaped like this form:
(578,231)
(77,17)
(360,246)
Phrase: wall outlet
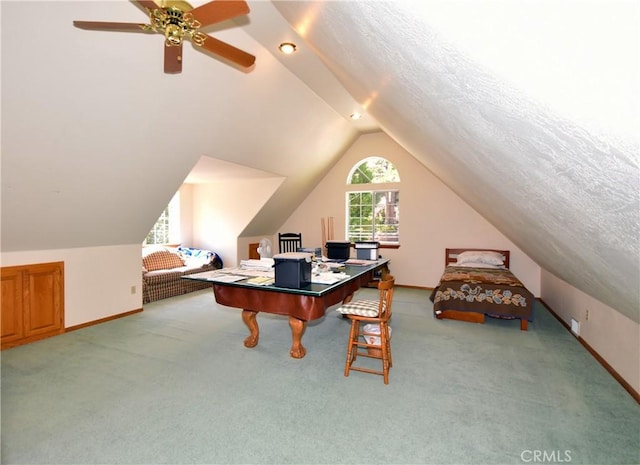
(586,315)
(575,327)
(133,289)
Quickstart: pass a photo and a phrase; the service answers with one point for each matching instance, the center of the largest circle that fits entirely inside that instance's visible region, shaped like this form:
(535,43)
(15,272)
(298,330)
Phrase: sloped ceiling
(96,139)
(528,110)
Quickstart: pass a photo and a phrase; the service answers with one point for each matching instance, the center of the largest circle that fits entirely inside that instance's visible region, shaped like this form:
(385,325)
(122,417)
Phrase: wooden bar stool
(375,312)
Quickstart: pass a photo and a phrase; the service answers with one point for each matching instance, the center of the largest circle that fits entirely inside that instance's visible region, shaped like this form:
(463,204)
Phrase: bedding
(481,284)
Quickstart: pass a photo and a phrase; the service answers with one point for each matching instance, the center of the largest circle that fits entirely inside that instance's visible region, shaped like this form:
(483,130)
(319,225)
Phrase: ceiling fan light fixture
(173,34)
(287,48)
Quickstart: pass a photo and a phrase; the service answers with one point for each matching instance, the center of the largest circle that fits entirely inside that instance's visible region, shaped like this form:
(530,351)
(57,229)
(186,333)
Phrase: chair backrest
(385,286)
(289,242)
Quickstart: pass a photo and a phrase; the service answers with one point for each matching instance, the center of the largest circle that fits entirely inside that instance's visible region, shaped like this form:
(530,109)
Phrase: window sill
(382,246)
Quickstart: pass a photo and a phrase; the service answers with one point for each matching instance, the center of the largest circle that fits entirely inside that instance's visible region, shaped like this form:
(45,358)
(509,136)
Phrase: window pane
(374,170)
(373,216)
(383,171)
(159,234)
(362,174)
(167,228)
(386,216)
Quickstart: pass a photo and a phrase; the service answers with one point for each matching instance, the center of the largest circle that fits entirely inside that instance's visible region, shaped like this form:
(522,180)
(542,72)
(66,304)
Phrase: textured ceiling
(528,110)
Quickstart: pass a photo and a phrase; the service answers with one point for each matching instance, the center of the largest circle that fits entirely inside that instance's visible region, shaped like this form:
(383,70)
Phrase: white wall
(611,334)
(222,210)
(243,244)
(186,215)
(97,280)
(432,217)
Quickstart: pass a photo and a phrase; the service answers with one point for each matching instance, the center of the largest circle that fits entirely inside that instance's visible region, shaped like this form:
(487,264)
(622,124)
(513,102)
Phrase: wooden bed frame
(451,256)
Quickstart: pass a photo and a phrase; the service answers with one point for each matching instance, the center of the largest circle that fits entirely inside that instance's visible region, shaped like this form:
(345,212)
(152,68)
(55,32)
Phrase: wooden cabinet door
(12,296)
(253,251)
(32,302)
(43,299)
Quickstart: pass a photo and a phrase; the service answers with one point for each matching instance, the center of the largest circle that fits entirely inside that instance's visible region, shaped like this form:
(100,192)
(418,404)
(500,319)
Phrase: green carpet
(175,385)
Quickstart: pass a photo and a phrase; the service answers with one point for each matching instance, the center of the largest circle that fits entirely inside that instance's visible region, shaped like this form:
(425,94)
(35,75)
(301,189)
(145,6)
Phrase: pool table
(300,305)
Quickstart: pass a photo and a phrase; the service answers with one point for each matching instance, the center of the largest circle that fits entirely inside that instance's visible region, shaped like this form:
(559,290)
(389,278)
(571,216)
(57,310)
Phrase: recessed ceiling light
(355,115)
(287,48)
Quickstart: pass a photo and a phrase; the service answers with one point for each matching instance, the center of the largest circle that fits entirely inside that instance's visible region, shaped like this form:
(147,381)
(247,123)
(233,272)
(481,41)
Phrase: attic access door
(32,303)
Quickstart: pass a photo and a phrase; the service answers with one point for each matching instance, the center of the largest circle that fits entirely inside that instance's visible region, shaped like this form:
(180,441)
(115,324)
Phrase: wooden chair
(289,242)
(376,312)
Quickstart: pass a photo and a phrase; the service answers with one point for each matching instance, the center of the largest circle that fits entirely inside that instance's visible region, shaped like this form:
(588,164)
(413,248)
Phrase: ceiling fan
(177,20)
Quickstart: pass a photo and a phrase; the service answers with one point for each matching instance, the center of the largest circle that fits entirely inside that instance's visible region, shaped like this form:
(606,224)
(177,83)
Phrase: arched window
(373,202)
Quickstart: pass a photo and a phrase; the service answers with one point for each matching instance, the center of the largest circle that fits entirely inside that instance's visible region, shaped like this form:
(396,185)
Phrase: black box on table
(338,250)
(367,250)
(292,269)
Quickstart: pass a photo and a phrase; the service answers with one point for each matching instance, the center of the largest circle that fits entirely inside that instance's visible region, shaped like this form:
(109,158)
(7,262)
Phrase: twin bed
(478,283)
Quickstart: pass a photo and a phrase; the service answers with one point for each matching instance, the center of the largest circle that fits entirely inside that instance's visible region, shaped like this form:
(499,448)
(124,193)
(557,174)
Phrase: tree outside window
(373,214)
(167,228)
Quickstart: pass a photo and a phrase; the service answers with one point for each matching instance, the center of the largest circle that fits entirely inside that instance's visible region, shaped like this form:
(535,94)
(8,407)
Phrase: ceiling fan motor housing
(174,24)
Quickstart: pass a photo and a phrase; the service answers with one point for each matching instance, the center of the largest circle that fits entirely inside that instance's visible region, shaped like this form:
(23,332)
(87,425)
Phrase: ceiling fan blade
(219,10)
(173,59)
(146,4)
(227,51)
(106,26)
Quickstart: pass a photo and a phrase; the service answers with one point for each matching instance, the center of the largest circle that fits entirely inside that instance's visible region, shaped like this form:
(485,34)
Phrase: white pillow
(476,265)
(477,256)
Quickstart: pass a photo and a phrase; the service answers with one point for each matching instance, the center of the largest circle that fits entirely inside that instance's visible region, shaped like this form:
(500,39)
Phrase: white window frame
(387,233)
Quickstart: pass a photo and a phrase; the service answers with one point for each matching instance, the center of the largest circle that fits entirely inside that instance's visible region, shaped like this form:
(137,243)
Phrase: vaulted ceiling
(527,110)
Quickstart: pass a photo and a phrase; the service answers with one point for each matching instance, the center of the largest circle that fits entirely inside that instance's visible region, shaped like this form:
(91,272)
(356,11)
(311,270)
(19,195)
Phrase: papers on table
(333,265)
(248,272)
(327,278)
(226,275)
(252,268)
(219,277)
(226,278)
(357,262)
(264,278)
(263,264)
(261,280)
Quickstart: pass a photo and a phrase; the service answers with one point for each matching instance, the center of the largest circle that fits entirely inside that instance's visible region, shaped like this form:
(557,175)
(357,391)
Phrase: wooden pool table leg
(297,330)
(249,318)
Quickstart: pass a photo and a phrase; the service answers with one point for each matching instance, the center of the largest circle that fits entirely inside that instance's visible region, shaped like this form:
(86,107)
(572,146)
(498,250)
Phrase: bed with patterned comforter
(470,293)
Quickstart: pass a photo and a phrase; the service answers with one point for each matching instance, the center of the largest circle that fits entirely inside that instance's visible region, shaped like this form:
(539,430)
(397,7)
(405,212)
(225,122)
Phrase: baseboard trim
(101,320)
(30,339)
(39,337)
(596,355)
(407,286)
